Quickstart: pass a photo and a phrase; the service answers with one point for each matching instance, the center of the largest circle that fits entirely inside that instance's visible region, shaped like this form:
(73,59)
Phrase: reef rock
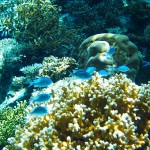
(93,52)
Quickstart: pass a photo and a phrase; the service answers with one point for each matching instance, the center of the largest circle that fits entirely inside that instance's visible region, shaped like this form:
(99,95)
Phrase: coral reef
(38,22)
(28,19)
(13,56)
(147,33)
(9,119)
(59,31)
(93,16)
(53,67)
(93,52)
(95,114)
(112,16)
(140,15)
(139,9)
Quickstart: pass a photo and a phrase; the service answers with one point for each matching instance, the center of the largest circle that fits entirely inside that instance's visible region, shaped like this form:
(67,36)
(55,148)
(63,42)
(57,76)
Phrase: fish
(103,73)
(146,63)
(39,111)
(41,82)
(41,98)
(77,70)
(81,74)
(122,68)
(111,52)
(91,70)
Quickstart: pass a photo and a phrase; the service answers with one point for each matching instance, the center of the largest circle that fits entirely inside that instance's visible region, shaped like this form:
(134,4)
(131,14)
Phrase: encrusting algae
(95,114)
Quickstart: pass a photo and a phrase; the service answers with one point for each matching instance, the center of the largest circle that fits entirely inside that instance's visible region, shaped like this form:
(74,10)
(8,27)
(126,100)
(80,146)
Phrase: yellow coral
(94,114)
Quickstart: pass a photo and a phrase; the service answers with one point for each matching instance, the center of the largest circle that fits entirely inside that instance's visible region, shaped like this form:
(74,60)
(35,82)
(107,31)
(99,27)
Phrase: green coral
(28,19)
(38,22)
(9,119)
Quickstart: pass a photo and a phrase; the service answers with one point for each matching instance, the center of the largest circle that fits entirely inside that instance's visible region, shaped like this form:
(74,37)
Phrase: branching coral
(139,9)
(57,68)
(37,22)
(93,16)
(94,114)
(28,19)
(9,119)
(54,67)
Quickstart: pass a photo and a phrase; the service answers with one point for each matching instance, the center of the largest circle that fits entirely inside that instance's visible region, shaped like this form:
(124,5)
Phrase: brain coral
(93,52)
(95,114)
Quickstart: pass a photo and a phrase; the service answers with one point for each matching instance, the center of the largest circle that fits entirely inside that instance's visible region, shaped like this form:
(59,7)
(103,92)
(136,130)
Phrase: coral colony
(75,75)
(95,114)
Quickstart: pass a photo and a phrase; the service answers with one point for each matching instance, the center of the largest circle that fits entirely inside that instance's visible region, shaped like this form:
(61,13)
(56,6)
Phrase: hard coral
(93,52)
(94,114)
(12,57)
(38,22)
(53,67)
(28,19)
(93,16)
(147,33)
(9,119)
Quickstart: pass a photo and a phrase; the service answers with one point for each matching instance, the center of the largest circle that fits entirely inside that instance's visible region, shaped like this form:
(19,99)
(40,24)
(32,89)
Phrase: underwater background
(74,74)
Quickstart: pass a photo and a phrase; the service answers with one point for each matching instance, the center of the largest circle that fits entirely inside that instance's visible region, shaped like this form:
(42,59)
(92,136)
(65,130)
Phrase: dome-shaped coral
(93,52)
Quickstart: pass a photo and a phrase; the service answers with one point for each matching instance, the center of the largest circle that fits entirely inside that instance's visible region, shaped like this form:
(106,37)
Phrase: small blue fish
(122,68)
(111,52)
(41,98)
(77,70)
(103,73)
(41,82)
(91,70)
(146,63)
(39,111)
(81,74)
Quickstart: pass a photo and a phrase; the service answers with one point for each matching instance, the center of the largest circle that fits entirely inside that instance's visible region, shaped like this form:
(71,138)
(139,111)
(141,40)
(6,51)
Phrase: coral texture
(13,56)
(147,33)
(9,118)
(93,52)
(38,22)
(95,114)
(54,67)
